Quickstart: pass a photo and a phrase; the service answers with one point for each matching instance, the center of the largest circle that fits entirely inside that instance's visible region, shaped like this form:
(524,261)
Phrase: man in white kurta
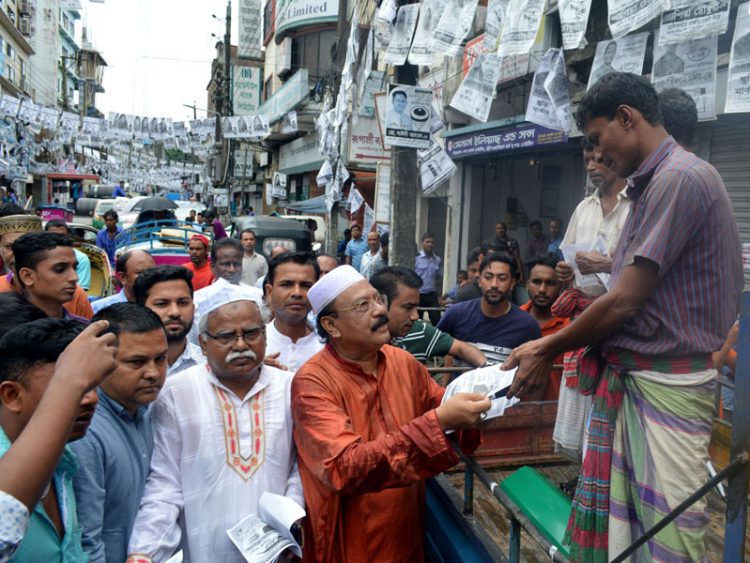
(221,439)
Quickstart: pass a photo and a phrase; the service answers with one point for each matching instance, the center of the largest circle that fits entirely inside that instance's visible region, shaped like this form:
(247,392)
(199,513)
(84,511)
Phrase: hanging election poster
(624,55)
(403,31)
(455,24)
(693,19)
(690,66)
(549,102)
(407,116)
(474,95)
(289,122)
(430,13)
(435,167)
(626,16)
(383,28)
(521,27)
(493,28)
(574,15)
(249,43)
(375,83)
(738,74)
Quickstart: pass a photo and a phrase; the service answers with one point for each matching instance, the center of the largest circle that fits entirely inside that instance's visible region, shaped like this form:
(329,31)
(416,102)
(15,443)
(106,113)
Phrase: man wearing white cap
(222,436)
(369,428)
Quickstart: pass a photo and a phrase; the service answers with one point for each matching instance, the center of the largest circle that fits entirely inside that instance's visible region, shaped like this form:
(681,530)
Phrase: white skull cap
(330,286)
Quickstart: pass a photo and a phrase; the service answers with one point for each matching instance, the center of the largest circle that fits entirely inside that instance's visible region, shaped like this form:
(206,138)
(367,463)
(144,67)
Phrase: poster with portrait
(49,118)
(407,116)
(430,12)
(693,19)
(549,102)
(738,73)
(623,55)
(121,125)
(454,26)
(521,27)
(476,92)
(435,167)
(574,15)
(289,122)
(375,83)
(383,26)
(626,16)
(403,31)
(493,27)
(690,66)
(258,126)
(9,105)
(28,112)
(278,187)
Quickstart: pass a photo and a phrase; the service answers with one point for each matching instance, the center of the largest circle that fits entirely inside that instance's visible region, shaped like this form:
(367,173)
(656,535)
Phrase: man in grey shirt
(254,265)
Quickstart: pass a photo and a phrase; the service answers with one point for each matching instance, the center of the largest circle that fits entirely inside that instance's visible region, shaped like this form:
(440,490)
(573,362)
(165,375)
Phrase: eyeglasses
(250,336)
(366,305)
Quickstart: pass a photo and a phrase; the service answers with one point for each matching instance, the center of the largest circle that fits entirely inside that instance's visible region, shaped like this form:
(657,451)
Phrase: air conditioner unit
(24,26)
(284,57)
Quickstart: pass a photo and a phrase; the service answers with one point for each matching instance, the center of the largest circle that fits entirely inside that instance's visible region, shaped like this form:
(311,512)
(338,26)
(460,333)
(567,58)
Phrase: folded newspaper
(491,381)
(262,537)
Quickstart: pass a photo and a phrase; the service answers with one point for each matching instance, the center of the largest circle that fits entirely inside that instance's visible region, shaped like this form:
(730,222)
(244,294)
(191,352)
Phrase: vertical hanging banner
(574,15)
(626,16)
(407,116)
(435,167)
(738,75)
(474,95)
(690,66)
(250,16)
(624,55)
(693,19)
(549,102)
(430,12)
(246,84)
(493,28)
(403,31)
(455,24)
(521,27)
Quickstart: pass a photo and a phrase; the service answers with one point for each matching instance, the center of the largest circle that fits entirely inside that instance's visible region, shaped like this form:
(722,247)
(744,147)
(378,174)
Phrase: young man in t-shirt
(492,323)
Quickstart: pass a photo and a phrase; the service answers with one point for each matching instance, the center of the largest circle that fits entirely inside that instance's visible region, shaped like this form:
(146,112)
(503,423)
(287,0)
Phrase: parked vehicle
(317,226)
(274,231)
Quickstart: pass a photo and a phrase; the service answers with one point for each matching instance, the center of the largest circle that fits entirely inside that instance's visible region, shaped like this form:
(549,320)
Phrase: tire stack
(86,205)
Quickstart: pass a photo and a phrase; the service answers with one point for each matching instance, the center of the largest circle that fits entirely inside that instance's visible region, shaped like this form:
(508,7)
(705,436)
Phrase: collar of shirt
(355,367)
(640,179)
(550,325)
(192,355)
(260,384)
(109,404)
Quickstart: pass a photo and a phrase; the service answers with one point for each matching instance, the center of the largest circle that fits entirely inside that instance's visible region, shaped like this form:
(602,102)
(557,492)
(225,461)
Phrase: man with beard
(226,260)
(369,427)
(198,247)
(114,456)
(222,437)
(544,289)
(289,334)
(492,323)
(40,374)
(167,291)
(129,266)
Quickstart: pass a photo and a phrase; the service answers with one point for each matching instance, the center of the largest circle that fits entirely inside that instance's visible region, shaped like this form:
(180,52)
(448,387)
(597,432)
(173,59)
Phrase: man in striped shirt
(674,294)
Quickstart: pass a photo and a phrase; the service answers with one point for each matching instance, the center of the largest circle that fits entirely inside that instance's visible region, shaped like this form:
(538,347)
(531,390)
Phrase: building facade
(15,49)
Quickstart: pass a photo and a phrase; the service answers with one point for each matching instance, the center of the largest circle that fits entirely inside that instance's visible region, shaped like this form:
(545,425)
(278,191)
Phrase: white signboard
(626,16)
(383,194)
(738,74)
(455,24)
(690,66)
(574,15)
(549,102)
(403,31)
(430,12)
(291,14)
(365,144)
(521,27)
(407,119)
(693,19)
(246,85)
(474,95)
(250,16)
(292,93)
(300,153)
(623,55)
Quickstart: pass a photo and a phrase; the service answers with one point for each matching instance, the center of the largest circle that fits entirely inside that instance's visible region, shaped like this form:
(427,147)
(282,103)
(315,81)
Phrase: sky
(158,53)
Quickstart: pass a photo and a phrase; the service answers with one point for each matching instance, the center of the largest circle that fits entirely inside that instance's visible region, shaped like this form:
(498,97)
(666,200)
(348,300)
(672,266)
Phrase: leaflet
(490,381)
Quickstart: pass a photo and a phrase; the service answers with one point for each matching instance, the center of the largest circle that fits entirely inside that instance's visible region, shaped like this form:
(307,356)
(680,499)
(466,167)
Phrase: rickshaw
(274,231)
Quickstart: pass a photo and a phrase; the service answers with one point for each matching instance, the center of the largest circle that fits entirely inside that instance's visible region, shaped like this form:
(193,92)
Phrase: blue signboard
(502,140)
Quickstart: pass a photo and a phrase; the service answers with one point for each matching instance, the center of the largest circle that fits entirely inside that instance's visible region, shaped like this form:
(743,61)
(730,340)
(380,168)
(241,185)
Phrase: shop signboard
(504,139)
(246,84)
(293,14)
(291,94)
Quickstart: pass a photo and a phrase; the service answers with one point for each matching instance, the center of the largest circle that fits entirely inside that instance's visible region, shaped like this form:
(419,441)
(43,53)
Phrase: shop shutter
(730,154)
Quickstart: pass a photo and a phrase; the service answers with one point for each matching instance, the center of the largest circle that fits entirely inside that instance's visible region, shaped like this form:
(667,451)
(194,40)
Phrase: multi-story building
(15,49)
(67,77)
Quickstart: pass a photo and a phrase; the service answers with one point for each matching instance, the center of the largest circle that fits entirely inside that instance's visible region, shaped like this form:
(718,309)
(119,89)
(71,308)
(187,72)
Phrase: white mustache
(232,356)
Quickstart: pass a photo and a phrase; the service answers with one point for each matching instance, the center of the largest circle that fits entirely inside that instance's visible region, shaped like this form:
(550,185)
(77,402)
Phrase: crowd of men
(154,421)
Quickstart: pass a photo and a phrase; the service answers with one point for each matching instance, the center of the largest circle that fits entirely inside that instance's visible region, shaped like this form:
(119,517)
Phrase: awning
(312,205)
(302,168)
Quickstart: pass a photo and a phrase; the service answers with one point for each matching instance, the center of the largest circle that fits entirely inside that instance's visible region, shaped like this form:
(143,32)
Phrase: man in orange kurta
(369,428)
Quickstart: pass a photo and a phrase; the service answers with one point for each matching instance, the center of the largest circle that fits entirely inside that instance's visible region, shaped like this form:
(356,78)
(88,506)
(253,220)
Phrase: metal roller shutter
(730,154)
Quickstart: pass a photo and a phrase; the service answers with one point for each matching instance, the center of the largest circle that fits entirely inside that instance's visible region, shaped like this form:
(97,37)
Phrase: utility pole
(405,184)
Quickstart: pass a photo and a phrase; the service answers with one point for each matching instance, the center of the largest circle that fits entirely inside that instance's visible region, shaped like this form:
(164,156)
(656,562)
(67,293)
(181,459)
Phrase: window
(11,15)
(269,14)
(313,52)
(10,52)
(10,72)
(268,88)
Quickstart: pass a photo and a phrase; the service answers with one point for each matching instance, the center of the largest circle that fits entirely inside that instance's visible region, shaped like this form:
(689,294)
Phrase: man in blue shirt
(492,323)
(129,266)
(428,265)
(355,248)
(115,455)
(555,238)
(119,191)
(105,239)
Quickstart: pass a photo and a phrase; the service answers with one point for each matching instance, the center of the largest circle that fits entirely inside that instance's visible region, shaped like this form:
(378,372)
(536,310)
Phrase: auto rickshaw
(274,231)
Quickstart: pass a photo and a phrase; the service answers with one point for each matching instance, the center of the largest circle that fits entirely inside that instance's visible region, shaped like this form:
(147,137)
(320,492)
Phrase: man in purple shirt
(427,264)
(675,293)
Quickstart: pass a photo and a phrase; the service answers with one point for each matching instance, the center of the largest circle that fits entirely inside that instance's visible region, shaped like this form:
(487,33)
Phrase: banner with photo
(407,116)
(430,13)
(454,26)
(626,16)
(549,102)
(690,66)
(574,15)
(383,26)
(403,31)
(435,167)
(493,27)
(521,27)
(476,92)
(738,74)
(623,55)
(693,19)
